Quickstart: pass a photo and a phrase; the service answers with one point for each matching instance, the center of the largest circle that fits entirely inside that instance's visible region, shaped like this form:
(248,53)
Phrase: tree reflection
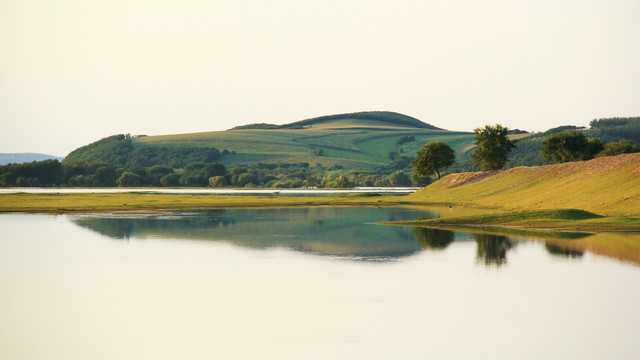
(433,239)
(492,249)
(563,252)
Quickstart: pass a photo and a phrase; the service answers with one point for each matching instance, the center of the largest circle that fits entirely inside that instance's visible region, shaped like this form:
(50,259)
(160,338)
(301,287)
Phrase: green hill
(367,118)
(359,140)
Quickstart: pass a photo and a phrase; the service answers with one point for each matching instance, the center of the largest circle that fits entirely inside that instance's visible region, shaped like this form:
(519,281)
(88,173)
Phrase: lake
(213,191)
(319,283)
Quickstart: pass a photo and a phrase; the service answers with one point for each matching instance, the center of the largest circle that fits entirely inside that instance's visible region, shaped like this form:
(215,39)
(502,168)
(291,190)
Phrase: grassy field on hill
(350,147)
(360,140)
(606,186)
(599,194)
(353,141)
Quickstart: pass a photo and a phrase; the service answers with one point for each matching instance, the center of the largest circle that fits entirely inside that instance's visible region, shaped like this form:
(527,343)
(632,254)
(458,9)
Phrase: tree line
(99,173)
(492,148)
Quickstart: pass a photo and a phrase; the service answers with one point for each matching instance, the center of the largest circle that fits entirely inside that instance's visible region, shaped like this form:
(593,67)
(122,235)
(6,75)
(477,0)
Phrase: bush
(218,181)
(246,178)
(128,179)
(170,180)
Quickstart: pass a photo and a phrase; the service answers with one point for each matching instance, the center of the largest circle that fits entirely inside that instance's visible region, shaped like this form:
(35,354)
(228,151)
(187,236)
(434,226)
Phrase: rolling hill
(358,140)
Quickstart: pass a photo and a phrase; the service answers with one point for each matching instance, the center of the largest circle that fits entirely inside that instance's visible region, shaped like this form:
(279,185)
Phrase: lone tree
(432,157)
(570,146)
(492,147)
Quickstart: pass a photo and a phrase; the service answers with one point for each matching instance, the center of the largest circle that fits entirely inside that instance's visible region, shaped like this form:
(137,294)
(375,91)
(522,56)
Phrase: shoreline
(549,221)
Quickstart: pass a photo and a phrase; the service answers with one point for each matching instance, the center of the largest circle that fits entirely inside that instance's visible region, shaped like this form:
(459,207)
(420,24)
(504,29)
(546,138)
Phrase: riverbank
(115,202)
(544,220)
(599,195)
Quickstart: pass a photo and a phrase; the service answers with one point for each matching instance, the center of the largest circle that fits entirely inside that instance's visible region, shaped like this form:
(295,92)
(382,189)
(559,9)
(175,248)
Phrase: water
(309,283)
(214,191)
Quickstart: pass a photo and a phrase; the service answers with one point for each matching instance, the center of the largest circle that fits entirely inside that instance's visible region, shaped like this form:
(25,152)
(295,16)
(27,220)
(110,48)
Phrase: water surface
(309,283)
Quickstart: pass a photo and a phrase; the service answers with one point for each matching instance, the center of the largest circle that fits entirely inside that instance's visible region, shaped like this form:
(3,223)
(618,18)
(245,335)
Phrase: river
(309,283)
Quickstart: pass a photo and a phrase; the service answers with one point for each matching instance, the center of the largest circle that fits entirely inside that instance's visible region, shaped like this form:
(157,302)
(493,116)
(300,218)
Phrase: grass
(606,186)
(555,219)
(68,203)
(597,195)
(352,144)
(601,195)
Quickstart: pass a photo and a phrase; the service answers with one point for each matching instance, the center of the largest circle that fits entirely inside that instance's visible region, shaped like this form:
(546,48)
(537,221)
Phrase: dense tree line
(98,173)
(36,173)
(119,151)
(616,129)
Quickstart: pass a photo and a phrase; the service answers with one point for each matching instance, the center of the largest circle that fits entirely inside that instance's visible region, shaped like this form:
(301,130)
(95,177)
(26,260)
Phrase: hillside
(368,118)
(607,186)
(18,158)
(359,140)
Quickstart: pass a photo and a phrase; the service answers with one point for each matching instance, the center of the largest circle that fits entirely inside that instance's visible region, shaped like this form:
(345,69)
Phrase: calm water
(309,283)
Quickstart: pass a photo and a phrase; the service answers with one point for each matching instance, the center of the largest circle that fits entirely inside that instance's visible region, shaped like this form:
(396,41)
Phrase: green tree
(106,176)
(218,181)
(619,147)
(130,179)
(343,182)
(399,178)
(172,179)
(247,178)
(432,157)
(492,147)
(214,170)
(570,146)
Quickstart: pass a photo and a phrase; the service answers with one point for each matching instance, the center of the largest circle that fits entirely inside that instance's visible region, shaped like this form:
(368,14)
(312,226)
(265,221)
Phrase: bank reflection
(349,233)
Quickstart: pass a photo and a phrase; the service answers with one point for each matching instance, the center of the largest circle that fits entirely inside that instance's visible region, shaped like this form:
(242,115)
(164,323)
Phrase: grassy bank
(67,203)
(608,186)
(597,195)
(601,195)
(543,220)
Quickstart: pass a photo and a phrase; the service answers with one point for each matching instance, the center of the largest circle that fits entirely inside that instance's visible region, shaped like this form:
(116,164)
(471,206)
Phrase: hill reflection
(333,231)
(348,232)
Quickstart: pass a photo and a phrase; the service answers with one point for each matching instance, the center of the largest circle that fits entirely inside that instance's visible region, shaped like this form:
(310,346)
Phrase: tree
(432,157)
(218,181)
(570,146)
(130,179)
(399,178)
(172,179)
(619,147)
(106,176)
(214,170)
(492,147)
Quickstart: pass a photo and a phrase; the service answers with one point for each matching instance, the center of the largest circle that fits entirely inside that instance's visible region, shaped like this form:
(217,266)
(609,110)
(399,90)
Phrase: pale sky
(72,72)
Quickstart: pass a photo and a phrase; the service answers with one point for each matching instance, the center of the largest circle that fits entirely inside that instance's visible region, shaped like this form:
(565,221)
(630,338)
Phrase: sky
(73,72)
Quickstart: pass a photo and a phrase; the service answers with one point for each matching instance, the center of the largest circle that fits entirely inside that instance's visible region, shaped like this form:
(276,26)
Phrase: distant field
(341,144)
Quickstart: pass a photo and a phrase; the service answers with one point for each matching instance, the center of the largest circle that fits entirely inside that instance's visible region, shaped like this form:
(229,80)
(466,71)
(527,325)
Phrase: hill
(608,186)
(351,141)
(18,158)
(368,119)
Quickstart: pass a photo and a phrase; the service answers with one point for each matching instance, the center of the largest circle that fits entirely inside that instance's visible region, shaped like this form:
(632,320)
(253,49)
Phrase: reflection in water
(433,239)
(335,231)
(492,249)
(347,232)
(563,251)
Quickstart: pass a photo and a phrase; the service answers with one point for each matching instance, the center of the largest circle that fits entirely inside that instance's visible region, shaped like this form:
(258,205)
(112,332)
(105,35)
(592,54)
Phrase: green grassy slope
(350,140)
(606,186)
